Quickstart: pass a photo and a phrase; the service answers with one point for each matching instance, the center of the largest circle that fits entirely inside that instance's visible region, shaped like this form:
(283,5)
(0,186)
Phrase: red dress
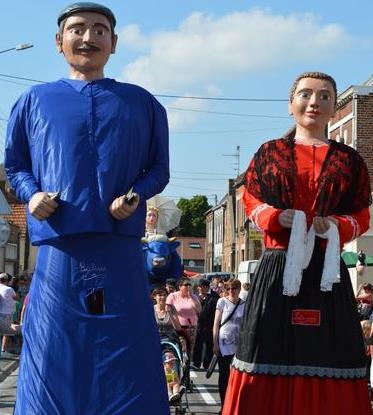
(283,367)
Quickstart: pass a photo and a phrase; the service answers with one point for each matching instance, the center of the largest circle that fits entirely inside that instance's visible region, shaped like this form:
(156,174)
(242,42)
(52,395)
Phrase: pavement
(8,363)
(8,382)
(203,400)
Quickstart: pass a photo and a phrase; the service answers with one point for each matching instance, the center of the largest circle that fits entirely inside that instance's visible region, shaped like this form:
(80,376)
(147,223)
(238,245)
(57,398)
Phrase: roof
(191,247)
(18,217)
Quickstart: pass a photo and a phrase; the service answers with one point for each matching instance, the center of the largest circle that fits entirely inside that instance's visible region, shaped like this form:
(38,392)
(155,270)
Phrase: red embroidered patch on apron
(302,317)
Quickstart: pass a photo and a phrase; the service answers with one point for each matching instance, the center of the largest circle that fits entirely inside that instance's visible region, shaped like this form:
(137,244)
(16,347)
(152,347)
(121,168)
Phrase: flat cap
(86,6)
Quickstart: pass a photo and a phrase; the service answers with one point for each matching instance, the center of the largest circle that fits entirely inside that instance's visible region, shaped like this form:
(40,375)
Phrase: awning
(350,259)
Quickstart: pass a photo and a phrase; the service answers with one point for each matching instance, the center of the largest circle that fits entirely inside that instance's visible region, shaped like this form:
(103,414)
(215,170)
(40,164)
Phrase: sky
(244,53)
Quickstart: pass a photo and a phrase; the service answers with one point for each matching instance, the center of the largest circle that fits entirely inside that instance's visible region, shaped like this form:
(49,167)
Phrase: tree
(193,221)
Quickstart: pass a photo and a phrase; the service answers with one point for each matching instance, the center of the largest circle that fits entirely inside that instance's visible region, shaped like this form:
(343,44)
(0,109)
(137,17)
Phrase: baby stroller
(171,345)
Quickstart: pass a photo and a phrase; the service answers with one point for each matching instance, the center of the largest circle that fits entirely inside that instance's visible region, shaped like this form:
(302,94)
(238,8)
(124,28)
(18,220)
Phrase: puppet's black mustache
(89,47)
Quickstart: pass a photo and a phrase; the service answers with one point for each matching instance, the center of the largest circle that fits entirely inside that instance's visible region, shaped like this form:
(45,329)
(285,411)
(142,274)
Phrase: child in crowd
(172,377)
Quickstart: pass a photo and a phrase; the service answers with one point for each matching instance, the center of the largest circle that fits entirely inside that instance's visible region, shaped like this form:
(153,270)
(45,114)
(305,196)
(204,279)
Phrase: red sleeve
(352,226)
(264,216)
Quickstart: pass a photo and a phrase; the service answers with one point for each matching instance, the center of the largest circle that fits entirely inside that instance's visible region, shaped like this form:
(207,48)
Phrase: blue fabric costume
(92,142)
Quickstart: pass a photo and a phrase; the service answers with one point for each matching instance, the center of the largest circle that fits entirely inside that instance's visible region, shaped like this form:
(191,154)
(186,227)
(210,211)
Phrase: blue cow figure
(161,259)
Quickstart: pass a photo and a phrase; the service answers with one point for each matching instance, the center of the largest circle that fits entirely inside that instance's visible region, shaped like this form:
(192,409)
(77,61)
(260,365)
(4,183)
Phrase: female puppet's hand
(322,224)
(286,218)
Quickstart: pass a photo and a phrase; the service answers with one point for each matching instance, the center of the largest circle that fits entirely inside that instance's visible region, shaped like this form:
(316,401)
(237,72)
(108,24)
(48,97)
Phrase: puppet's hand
(120,209)
(286,218)
(322,224)
(41,206)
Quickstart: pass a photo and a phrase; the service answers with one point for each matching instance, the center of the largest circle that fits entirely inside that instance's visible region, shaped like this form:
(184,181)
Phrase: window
(195,245)
(10,251)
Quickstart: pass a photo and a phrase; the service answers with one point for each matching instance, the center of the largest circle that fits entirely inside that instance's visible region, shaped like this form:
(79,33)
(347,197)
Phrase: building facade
(353,125)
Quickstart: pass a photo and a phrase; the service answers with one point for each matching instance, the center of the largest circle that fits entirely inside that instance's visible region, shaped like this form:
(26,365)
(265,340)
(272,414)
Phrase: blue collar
(79,85)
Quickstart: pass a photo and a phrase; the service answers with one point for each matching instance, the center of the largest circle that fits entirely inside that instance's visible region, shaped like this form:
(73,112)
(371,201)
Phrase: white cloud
(205,49)
(132,37)
(183,113)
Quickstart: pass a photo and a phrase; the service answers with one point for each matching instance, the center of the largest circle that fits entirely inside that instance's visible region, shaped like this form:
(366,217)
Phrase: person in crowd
(227,321)
(24,307)
(215,280)
(172,377)
(85,153)
(366,327)
(165,315)
(204,340)
(244,291)
(188,309)
(300,339)
(170,285)
(361,257)
(364,298)
(220,290)
(8,300)
(15,341)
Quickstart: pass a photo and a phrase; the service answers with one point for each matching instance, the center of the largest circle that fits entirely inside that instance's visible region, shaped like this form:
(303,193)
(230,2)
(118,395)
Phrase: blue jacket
(92,142)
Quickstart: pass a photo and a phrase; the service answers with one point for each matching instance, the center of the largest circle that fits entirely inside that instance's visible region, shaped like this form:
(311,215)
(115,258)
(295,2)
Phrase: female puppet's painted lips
(312,114)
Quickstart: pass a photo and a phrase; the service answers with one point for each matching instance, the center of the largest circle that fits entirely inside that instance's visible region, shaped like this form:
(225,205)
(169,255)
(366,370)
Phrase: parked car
(224,275)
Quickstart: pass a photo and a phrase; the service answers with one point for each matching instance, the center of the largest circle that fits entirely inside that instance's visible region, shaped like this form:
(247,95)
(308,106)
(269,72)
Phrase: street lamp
(21,46)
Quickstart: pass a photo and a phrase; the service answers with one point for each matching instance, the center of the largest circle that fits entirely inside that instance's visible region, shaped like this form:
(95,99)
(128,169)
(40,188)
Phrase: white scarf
(300,251)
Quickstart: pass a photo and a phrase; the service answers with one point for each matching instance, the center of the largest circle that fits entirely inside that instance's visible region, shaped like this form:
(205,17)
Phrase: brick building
(192,252)
(18,255)
(230,238)
(353,125)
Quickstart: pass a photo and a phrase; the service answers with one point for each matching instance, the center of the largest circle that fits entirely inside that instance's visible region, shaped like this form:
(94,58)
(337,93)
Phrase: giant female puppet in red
(301,348)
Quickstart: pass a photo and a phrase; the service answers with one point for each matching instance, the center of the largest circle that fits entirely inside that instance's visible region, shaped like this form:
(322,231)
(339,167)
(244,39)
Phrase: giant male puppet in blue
(75,148)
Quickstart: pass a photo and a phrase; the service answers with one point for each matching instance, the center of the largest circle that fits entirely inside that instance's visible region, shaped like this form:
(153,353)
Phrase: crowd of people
(206,317)
(13,301)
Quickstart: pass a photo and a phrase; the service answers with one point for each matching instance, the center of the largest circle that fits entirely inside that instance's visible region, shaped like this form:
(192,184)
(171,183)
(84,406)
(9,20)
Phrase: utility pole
(236,155)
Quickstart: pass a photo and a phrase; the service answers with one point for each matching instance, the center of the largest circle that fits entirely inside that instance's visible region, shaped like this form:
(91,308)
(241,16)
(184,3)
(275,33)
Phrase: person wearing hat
(172,377)
(208,300)
(85,153)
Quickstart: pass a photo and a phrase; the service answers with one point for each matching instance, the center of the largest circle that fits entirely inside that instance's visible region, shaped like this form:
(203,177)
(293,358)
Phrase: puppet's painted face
(151,217)
(313,104)
(86,42)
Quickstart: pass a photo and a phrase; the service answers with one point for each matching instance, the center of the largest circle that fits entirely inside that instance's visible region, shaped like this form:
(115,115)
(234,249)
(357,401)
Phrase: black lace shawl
(343,185)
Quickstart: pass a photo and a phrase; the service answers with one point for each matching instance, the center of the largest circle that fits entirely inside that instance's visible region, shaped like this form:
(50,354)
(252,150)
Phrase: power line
(226,131)
(199,172)
(228,113)
(22,78)
(197,178)
(14,82)
(192,187)
(172,96)
(223,99)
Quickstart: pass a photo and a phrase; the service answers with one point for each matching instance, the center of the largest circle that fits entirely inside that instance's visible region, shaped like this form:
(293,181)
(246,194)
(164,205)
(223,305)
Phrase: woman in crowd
(166,316)
(228,316)
(364,298)
(188,308)
(301,343)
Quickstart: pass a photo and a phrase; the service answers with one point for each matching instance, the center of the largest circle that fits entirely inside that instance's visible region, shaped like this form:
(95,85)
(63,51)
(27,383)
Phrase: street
(203,400)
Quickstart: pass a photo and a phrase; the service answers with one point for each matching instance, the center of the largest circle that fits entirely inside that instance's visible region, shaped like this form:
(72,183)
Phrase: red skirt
(249,394)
